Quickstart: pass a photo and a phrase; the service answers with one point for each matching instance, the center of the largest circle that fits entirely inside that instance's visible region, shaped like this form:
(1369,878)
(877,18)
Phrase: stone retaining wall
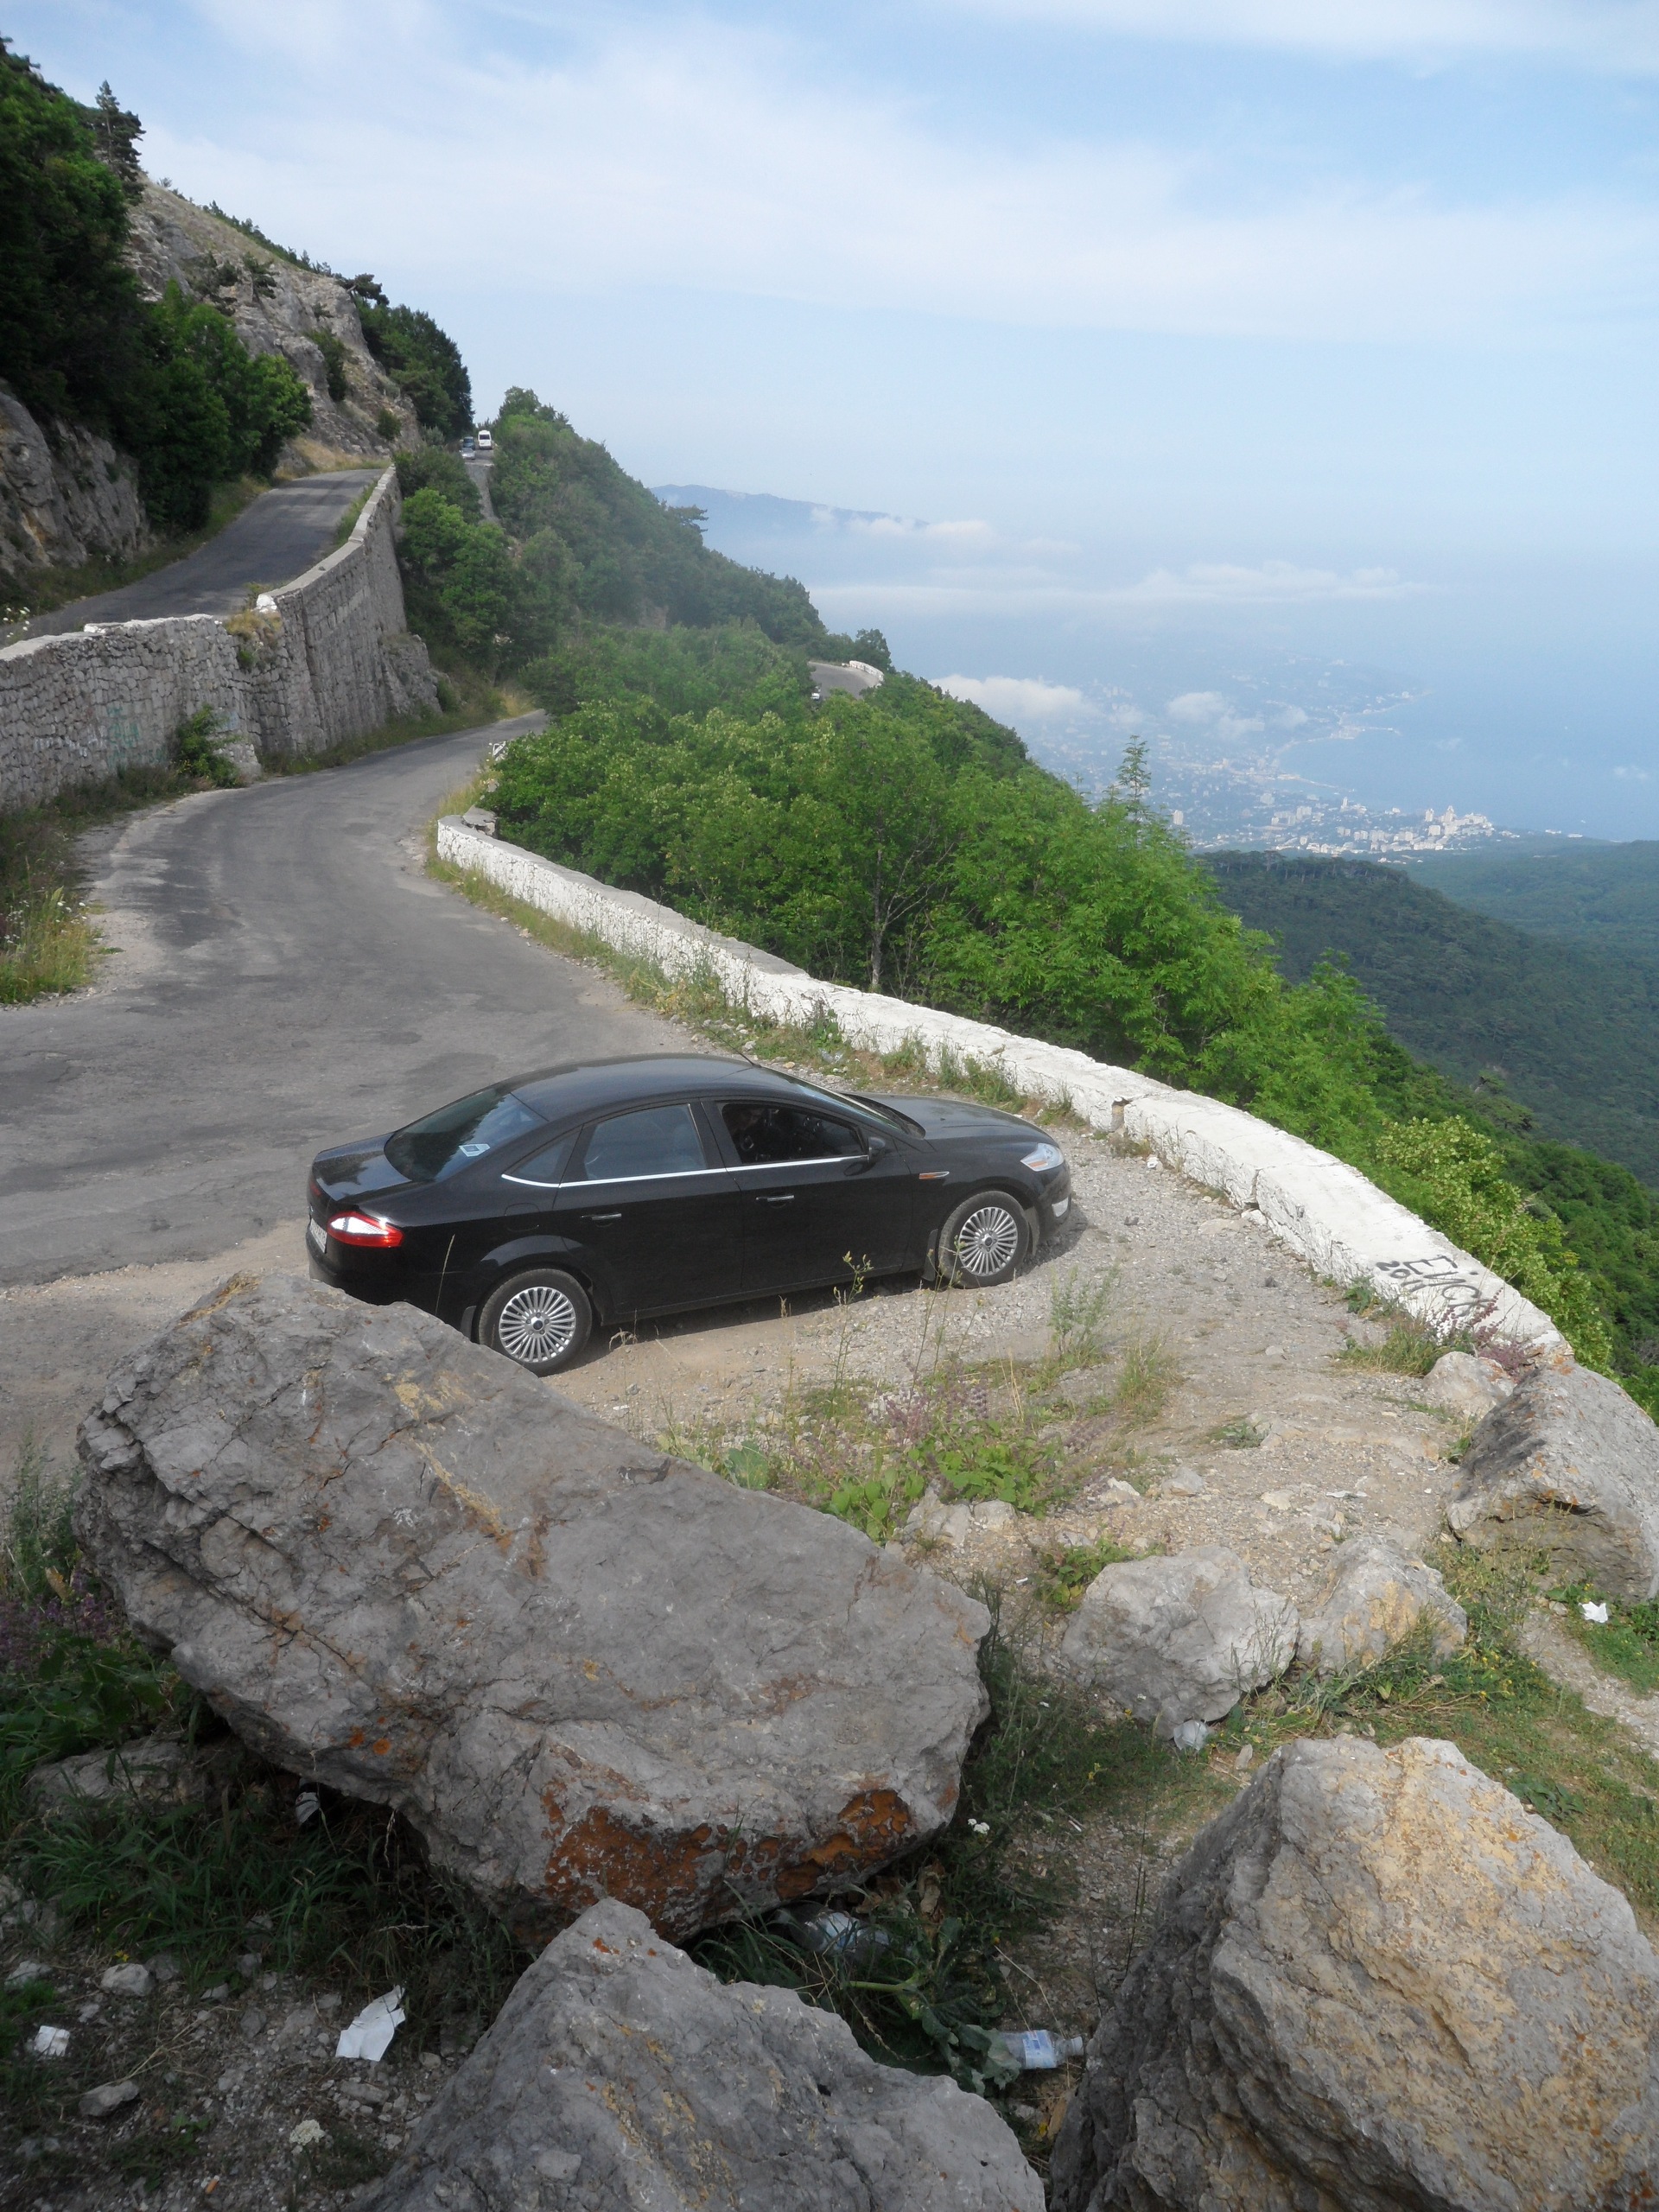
(327,657)
(1325,1211)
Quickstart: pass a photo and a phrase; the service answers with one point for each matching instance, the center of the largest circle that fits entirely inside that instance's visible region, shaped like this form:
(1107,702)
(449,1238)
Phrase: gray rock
(397,1564)
(1567,1464)
(132,1981)
(1460,1383)
(1377,1599)
(159,1770)
(164,1966)
(110,2096)
(935,1522)
(620,2074)
(253,2024)
(1377,1982)
(1185,1481)
(27,1970)
(1181,1638)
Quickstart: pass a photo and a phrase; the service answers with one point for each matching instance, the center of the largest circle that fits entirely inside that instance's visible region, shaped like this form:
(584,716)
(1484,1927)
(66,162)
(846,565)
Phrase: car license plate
(317,1237)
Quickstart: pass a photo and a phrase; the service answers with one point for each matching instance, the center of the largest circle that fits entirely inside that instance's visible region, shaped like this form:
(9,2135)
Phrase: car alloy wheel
(983,1241)
(540,1320)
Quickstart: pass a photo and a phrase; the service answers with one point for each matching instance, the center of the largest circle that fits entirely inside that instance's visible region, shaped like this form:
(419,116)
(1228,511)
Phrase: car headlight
(1043,1157)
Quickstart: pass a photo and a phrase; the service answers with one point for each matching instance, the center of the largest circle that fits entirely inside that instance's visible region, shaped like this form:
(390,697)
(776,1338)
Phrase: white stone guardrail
(1325,1211)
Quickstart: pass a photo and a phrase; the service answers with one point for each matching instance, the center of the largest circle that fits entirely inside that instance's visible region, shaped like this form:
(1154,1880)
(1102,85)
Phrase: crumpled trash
(369,2036)
(1597,1613)
(1190,1735)
(50,2043)
(307,1805)
(1034,2051)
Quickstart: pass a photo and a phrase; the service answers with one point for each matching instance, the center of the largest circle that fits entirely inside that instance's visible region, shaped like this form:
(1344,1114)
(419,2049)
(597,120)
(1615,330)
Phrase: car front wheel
(984,1241)
(542,1319)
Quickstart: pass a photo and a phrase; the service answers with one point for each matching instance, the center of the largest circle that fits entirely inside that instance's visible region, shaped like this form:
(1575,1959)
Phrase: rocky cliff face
(68,497)
(64,501)
(277,307)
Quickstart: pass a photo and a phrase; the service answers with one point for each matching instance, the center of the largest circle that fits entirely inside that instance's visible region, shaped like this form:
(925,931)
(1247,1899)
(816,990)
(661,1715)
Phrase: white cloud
(1016,699)
(679,156)
(1209,711)
(1598,34)
(1214,583)
(1195,707)
(964,535)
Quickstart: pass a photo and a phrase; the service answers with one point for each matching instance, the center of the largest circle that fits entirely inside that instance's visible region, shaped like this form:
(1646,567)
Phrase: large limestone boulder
(620,2074)
(1568,1464)
(1377,1599)
(397,1564)
(1377,1981)
(1462,1383)
(1180,1639)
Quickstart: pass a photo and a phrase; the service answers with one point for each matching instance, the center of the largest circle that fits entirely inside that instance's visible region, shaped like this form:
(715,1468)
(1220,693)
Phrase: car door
(648,1202)
(823,1199)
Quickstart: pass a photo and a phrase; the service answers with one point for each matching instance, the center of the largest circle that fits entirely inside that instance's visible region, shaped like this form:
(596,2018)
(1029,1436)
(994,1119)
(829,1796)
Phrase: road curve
(271,542)
(287,977)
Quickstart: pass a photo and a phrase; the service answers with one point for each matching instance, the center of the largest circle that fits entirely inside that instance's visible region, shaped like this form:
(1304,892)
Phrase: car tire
(983,1241)
(539,1319)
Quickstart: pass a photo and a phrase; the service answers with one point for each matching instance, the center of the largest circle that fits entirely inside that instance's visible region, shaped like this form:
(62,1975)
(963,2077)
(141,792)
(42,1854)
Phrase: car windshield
(890,1114)
(441,1144)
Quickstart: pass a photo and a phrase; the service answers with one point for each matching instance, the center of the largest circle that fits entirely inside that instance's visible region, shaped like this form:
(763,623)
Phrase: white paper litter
(369,2036)
(51,2043)
(305,1805)
(1598,1613)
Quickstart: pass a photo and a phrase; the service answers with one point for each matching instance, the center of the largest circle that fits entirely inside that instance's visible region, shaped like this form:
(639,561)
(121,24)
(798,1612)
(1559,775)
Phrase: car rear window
(652,1141)
(441,1144)
(765,1135)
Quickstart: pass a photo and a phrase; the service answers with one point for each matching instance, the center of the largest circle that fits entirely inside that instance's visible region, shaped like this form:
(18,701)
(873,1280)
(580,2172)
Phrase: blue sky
(1236,340)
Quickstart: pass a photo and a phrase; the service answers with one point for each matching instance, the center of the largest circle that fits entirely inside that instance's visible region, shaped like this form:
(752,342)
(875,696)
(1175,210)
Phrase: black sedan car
(620,1189)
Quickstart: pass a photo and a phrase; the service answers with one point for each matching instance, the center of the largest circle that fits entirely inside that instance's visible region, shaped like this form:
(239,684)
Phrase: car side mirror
(873,1150)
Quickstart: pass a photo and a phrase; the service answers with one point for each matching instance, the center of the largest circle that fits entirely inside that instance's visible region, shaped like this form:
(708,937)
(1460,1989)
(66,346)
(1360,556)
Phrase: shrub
(1452,1174)
(198,748)
(332,351)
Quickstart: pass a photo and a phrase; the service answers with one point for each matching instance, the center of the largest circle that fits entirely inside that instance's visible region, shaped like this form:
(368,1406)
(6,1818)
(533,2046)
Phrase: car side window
(651,1140)
(767,1136)
(544,1169)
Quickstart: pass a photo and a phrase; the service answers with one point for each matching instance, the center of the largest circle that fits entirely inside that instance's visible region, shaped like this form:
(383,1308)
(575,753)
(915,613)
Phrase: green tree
(423,361)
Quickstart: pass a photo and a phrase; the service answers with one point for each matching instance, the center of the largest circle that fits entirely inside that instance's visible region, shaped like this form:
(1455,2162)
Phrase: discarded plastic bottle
(1034,2051)
(838,1934)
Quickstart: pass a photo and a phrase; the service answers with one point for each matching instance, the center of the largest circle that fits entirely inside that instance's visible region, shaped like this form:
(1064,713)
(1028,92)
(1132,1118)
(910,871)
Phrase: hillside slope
(1569,1032)
(1605,897)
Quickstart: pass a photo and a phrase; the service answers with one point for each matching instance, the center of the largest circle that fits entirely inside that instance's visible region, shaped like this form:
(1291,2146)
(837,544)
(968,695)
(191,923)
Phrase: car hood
(958,1117)
(353,1171)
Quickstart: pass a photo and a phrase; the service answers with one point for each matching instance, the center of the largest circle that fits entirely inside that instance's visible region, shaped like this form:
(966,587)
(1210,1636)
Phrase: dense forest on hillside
(168,380)
(580,548)
(1604,897)
(1571,1031)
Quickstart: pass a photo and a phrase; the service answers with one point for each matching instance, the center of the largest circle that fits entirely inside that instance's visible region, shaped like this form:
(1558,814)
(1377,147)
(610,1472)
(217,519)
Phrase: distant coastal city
(1231,805)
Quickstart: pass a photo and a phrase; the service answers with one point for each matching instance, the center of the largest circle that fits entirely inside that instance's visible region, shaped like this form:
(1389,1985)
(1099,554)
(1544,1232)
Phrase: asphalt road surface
(273,541)
(288,976)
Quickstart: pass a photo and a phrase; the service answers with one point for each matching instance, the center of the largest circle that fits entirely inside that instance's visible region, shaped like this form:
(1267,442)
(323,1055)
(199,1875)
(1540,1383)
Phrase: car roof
(581,1087)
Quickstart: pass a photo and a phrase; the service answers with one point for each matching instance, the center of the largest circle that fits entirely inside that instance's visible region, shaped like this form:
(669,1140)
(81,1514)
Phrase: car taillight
(364,1229)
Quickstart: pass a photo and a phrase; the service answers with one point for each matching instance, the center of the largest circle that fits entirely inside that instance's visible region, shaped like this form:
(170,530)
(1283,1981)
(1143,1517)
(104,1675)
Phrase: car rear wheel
(984,1241)
(541,1318)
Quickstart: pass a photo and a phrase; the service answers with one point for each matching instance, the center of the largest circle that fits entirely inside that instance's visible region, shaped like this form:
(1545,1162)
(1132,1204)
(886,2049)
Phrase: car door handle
(782,1198)
(601,1216)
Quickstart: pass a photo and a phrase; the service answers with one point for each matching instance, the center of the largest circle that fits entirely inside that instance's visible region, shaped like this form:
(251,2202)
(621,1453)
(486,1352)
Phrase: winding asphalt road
(288,976)
(271,542)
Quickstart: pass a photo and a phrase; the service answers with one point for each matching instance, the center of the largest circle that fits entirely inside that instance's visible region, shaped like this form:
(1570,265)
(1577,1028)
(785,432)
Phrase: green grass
(1063,1576)
(49,938)
(1627,1644)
